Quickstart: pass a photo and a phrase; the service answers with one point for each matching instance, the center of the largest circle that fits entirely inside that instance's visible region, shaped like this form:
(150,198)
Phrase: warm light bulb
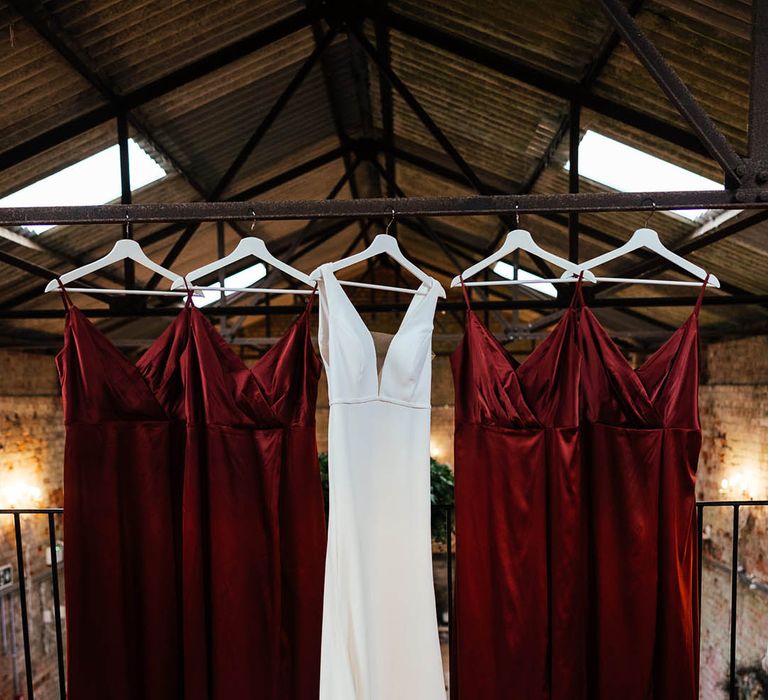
(724,484)
(20,494)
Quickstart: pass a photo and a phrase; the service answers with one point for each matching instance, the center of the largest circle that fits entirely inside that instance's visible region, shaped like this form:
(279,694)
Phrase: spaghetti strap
(190,294)
(466,293)
(577,299)
(700,300)
(311,300)
(64,295)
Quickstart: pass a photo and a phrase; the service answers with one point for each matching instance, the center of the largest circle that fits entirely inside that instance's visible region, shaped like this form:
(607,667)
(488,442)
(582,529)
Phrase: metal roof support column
(125,191)
(434,129)
(573,177)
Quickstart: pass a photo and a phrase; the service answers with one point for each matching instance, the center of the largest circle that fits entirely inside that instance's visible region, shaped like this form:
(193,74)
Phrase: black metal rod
(23,604)
(573,177)
(449,556)
(674,88)
(729,504)
(758,94)
(474,205)
(507,305)
(30,511)
(699,555)
(734,600)
(57,606)
(125,191)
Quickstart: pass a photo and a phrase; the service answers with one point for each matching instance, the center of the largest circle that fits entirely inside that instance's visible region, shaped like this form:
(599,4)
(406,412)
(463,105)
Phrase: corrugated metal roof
(501,126)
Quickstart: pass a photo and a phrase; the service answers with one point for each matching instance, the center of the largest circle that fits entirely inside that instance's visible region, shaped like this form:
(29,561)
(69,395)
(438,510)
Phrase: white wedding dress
(380,639)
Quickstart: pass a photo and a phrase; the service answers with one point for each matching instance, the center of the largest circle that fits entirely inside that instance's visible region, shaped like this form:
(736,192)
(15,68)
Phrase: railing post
(23,603)
(734,599)
(57,606)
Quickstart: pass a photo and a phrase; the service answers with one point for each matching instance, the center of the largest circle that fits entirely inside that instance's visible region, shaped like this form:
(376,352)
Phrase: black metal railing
(447,513)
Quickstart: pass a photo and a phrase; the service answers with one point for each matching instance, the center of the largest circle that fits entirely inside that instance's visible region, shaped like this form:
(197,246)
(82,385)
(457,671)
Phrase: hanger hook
(253,219)
(391,221)
(653,210)
(517,214)
(127,227)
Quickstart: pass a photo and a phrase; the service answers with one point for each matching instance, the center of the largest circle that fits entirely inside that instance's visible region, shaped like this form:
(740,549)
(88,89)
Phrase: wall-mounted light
(20,494)
(740,485)
(436,450)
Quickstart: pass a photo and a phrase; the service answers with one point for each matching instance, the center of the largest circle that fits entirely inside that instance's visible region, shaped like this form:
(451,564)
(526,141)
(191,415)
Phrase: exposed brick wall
(733,403)
(31,454)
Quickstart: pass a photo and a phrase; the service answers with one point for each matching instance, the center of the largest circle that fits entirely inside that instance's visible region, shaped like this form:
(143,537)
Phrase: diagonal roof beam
(157,88)
(536,77)
(47,27)
(336,113)
(675,89)
(34,269)
(433,128)
(589,78)
(250,146)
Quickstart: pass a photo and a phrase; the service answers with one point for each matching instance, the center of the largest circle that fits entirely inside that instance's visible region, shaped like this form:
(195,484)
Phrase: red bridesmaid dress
(641,444)
(122,543)
(520,519)
(254,525)
(288,374)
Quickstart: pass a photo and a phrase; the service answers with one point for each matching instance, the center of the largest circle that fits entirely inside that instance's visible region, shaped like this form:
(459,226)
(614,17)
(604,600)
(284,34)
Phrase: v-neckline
(414,304)
(635,373)
(135,368)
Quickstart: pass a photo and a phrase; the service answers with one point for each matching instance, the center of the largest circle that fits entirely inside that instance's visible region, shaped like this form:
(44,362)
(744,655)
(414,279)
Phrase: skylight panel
(91,181)
(244,278)
(507,271)
(628,169)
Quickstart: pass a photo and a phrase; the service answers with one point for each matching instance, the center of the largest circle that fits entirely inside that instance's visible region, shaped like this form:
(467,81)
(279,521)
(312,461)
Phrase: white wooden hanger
(519,239)
(383,243)
(649,239)
(124,249)
(247,247)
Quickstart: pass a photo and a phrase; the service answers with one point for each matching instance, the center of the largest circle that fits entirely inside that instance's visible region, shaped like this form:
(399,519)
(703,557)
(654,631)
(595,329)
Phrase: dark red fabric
(575,517)
(254,525)
(231,550)
(288,374)
(519,517)
(215,590)
(119,498)
(641,443)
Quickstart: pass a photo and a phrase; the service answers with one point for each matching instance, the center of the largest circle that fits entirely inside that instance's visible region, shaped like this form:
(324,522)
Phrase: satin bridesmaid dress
(254,524)
(641,445)
(120,493)
(521,577)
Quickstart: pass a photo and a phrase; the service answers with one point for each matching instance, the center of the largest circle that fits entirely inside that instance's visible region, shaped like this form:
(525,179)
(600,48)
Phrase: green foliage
(322,458)
(441,482)
(751,683)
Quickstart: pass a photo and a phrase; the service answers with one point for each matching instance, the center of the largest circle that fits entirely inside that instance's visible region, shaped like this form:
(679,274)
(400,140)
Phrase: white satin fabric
(380,638)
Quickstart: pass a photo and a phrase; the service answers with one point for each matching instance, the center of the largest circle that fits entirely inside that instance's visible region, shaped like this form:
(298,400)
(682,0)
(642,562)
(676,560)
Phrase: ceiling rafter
(168,83)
